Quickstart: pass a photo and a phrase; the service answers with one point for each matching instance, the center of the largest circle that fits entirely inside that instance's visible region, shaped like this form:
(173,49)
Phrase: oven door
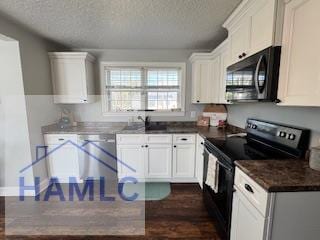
(219,204)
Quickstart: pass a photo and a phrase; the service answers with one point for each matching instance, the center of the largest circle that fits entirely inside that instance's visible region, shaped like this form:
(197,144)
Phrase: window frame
(103,90)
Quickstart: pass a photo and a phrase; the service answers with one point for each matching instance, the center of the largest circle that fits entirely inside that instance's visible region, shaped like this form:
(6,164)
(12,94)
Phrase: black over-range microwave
(254,78)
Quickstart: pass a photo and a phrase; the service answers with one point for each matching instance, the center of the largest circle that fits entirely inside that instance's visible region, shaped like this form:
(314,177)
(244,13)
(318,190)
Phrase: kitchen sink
(134,127)
(156,127)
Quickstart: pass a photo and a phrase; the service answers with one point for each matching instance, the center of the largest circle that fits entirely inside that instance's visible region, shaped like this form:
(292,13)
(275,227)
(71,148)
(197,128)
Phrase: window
(133,87)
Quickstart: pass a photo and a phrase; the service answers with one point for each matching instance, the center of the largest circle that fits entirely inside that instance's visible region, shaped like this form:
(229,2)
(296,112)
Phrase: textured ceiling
(129,24)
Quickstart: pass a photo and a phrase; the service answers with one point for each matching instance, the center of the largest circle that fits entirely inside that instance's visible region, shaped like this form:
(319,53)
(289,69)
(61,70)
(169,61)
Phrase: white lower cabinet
(247,221)
(157,157)
(158,160)
(183,161)
(62,157)
(261,215)
(130,160)
(199,159)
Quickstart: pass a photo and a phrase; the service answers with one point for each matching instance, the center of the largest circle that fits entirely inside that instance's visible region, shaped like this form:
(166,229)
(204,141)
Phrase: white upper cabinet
(254,26)
(208,75)
(72,77)
(202,79)
(299,81)
(239,41)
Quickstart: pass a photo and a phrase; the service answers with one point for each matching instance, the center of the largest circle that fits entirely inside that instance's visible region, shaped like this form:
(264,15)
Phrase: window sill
(132,114)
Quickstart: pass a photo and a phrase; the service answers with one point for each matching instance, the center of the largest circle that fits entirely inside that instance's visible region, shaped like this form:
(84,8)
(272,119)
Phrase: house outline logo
(81,148)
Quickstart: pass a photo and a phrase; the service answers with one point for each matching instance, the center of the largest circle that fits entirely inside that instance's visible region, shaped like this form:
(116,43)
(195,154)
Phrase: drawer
(184,138)
(130,138)
(51,139)
(252,191)
(158,138)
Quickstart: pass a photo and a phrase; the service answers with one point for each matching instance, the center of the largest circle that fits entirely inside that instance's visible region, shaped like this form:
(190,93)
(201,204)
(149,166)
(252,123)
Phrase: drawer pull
(184,139)
(61,139)
(248,188)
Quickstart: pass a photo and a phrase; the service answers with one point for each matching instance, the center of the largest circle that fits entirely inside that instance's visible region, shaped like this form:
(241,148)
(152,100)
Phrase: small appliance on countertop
(263,141)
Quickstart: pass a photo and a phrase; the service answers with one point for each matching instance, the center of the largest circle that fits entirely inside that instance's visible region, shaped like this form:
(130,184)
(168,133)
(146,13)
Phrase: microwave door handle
(256,75)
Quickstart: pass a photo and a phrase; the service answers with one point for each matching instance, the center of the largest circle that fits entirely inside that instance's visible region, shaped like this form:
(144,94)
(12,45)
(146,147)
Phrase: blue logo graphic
(55,188)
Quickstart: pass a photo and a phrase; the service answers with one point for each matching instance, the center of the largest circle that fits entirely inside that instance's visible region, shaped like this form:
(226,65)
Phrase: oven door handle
(218,162)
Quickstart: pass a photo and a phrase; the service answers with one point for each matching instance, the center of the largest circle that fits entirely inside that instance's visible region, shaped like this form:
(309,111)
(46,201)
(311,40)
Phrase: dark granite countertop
(120,128)
(282,175)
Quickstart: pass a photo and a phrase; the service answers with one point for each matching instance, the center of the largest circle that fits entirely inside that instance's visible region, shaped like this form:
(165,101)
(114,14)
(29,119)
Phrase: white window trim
(106,113)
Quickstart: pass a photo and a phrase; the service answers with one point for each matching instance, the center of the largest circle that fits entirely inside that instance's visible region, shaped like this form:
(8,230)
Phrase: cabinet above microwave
(254,25)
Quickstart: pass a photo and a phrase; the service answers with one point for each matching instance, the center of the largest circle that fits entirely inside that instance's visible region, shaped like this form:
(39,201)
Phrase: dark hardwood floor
(182,215)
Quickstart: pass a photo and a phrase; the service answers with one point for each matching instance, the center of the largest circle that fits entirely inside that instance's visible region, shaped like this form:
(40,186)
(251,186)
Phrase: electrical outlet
(193,114)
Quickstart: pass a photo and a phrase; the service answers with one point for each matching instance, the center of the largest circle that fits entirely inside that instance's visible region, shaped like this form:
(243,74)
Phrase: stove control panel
(289,136)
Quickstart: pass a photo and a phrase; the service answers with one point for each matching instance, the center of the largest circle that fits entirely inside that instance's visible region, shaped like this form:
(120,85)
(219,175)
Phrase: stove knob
(291,136)
(254,126)
(283,134)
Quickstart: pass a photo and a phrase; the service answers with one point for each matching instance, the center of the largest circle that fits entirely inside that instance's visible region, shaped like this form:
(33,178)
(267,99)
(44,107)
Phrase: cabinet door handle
(174,146)
(198,101)
(146,146)
(201,143)
(244,54)
(142,146)
(248,188)
(184,139)
(240,56)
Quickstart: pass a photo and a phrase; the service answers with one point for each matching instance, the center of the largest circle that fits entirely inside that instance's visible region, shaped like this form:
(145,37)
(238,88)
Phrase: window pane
(124,78)
(162,100)
(124,100)
(163,77)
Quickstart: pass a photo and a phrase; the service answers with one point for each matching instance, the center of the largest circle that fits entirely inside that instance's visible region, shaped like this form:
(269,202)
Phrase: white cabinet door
(247,222)
(130,160)
(262,25)
(72,77)
(224,63)
(183,160)
(215,82)
(199,159)
(202,78)
(63,162)
(299,81)
(158,160)
(240,40)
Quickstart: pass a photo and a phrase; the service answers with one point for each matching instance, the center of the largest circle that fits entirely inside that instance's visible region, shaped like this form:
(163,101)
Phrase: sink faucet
(146,120)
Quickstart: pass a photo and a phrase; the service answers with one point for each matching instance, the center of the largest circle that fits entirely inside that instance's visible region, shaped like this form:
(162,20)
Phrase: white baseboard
(15,191)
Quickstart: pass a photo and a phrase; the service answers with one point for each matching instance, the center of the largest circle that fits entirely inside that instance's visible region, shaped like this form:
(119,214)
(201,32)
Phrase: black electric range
(262,141)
